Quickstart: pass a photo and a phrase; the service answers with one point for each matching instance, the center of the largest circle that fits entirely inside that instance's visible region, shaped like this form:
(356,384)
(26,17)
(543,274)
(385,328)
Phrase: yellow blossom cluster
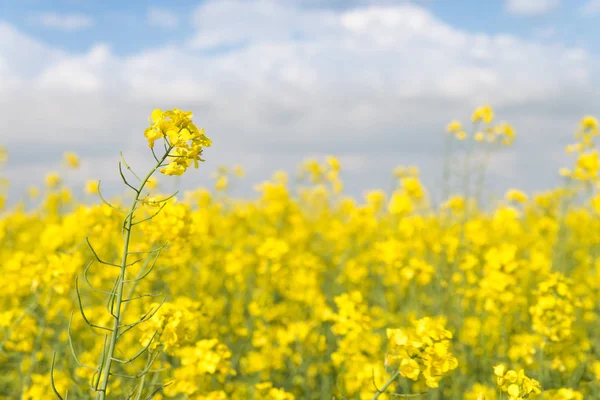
(422,351)
(516,384)
(587,163)
(183,140)
(553,314)
(172,326)
(482,118)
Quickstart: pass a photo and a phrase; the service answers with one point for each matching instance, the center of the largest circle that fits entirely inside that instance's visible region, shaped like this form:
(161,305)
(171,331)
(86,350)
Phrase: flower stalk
(118,302)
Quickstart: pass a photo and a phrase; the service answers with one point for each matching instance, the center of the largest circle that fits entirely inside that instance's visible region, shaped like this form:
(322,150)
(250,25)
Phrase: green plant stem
(143,381)
(387,384)
(119,290)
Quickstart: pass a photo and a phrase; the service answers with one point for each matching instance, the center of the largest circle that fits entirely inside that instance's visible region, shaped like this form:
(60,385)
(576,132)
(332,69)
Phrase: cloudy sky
(274,82)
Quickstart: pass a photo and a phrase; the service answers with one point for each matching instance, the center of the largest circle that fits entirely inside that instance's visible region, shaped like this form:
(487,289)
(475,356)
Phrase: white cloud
(77,73)
(531,7)
(591,7)
(162,18)
(64,22)
(545,32)
(257,21)
(373,84)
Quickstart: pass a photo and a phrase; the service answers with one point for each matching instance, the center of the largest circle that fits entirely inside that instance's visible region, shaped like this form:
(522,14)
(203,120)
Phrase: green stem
(143,381)
(119,290)
(387,384)
(136,280)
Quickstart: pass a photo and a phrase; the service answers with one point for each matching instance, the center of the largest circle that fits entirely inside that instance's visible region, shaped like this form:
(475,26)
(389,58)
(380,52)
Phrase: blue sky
(126,26)
(275,82)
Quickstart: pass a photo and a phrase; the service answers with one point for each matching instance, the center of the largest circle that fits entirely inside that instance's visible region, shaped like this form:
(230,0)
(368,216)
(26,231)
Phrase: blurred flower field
(304,292)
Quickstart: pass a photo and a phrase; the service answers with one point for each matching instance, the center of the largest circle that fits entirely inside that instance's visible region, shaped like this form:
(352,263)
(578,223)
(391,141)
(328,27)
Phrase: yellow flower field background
(304,292)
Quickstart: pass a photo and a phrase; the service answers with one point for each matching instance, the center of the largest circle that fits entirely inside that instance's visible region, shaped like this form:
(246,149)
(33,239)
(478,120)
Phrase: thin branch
(139,353)
(79,363)
(142,296)
(101,367)
(386,385)
(135,262)
(142,372)
(106,202)
(139,278)
(81,308)
(96,255)
(154,154)
(110,303)
(157,390)
(150,217)
(159,201)
(375,383)
(125,179)
(86,279)
(149,251)
(52,378)
(128,167)
(149,314)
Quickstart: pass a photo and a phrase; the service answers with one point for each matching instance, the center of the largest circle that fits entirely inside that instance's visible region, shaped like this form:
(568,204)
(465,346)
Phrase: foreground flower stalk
(183,143)
(114,337)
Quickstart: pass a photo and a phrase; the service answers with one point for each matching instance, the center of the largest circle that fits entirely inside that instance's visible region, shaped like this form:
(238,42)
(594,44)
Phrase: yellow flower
(513,390)
(587,166)
(173,169)
(506,132)
(484,113)
(222,183)
(516,196)
(334,163)
(238,171)
(499,370)
(566,172)
(71,159)
(422,350)
(400,204)
(53,180)
(178,131)
(595,368)
(454,127)
(3,155)
(33,192)
(455,203)
(91,187)
(516,384)
(589,122)
(375,199)
(480,392)
(152,183)
(409,368)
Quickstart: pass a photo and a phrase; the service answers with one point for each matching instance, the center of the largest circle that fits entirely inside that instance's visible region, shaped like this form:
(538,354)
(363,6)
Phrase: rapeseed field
(304,292)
